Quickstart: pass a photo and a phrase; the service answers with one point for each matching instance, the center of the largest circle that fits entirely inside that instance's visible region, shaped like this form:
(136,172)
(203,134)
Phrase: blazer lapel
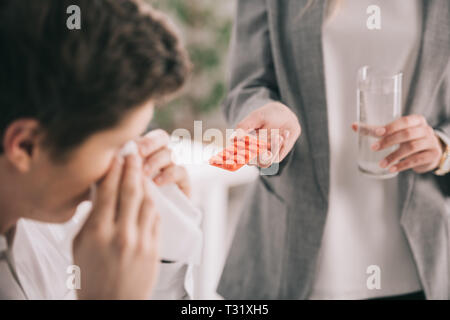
(307,47)
(432,60)
(433,55)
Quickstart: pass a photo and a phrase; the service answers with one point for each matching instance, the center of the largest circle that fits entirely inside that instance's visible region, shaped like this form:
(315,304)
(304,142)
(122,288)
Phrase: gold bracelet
(440,170)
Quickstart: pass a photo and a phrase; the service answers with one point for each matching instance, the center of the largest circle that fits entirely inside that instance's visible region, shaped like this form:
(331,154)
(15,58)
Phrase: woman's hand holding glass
(419,149)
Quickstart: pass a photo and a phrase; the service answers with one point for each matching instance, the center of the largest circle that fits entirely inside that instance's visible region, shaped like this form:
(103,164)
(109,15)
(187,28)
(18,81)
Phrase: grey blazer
(276,55)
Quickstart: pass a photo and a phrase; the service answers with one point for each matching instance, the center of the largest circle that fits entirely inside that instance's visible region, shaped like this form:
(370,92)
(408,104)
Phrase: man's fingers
(157,162)
(174,174)
(131,191)
(147,215)
(156,234)
(168,175)
(402,123)
(152,141)
(106,194)
(156,226)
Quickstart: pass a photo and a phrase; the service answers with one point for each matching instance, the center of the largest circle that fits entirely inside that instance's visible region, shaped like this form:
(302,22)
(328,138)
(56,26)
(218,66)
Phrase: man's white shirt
(40,261)
(10,287)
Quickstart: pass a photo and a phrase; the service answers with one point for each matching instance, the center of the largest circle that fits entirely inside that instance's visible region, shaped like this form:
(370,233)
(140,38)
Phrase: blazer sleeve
(444,181)
(444,127)
(252,81)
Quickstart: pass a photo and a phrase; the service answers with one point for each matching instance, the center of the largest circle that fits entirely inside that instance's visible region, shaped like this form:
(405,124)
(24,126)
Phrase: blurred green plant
(205,27)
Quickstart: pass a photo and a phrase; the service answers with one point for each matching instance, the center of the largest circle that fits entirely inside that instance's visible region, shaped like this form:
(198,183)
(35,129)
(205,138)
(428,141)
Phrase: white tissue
(181,237)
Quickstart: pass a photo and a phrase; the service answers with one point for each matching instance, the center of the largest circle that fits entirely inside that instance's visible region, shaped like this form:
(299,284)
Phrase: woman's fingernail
(393,169)
(380,131)
(286,134)
(384,163)
(375,146)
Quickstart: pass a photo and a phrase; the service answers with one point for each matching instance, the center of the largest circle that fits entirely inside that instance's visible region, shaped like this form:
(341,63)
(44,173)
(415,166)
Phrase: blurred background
(205,27)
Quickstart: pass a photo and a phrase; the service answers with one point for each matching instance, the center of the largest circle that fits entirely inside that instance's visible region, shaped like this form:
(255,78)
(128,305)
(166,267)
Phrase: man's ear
(21,142)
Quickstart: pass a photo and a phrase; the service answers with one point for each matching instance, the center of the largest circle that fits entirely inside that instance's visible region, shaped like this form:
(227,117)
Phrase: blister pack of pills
(242,148)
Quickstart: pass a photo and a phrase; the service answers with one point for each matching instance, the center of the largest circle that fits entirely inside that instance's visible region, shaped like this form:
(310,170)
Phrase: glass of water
(379,102)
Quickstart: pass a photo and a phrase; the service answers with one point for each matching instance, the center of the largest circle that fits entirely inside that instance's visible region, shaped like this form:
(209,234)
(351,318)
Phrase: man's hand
(420,149)
(285,125)
(117,248)
(158,163)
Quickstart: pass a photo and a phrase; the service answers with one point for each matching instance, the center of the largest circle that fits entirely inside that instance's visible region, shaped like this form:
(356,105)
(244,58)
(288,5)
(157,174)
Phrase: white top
(43,255)
(363,222)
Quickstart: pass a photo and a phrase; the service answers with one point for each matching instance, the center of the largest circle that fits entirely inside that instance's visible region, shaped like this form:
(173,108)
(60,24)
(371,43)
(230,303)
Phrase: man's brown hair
(77,82)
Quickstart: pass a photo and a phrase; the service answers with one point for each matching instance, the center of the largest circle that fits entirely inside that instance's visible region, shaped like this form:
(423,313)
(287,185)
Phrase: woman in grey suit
(313,227)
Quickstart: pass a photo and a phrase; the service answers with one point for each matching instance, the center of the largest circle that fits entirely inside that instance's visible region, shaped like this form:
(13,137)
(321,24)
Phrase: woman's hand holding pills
(276,124)
(242,151)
